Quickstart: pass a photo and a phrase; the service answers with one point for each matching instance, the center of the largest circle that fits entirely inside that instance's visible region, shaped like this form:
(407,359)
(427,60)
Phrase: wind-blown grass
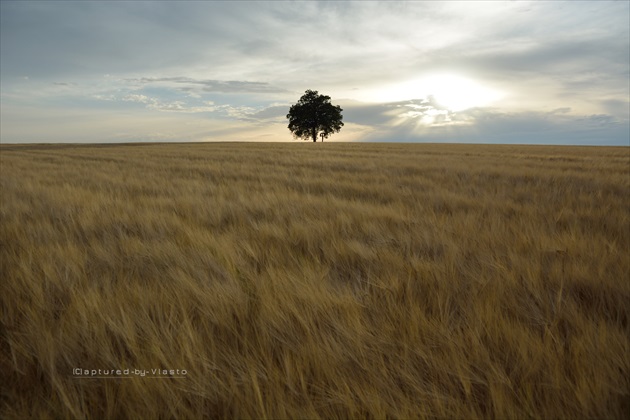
(315,280)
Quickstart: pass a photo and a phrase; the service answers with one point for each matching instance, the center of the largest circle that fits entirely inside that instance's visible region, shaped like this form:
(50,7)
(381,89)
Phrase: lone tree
(314,115)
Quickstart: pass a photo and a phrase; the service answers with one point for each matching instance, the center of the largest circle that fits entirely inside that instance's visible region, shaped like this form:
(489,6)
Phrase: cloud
(421,111)
(242,113)
(486,125)
(618,108)
(273,112)
(208,85)
(564,66)
(173,106)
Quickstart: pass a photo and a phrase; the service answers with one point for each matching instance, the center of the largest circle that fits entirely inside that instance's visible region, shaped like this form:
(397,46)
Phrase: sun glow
(449,91)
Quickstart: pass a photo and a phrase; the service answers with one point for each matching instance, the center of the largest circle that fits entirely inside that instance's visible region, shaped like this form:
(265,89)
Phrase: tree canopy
(313,115)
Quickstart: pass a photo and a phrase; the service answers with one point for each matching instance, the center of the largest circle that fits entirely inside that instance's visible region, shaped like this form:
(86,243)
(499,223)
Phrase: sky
(514,72)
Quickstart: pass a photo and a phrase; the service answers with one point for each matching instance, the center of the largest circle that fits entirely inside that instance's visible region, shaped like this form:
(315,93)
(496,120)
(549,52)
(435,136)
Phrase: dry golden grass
(315,280)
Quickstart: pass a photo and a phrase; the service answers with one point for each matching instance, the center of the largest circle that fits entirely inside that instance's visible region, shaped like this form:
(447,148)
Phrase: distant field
(308,280)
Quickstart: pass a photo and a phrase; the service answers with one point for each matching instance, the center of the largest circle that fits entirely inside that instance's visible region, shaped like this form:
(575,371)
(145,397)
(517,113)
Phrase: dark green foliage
(313,116)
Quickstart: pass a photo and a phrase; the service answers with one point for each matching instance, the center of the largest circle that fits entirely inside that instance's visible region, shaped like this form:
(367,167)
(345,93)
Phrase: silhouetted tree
(314,115)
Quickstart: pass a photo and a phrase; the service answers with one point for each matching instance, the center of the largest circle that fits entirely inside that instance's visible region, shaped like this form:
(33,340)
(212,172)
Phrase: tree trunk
(314,134)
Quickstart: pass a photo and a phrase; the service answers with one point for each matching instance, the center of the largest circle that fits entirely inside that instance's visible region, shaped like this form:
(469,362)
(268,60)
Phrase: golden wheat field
(314,280)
